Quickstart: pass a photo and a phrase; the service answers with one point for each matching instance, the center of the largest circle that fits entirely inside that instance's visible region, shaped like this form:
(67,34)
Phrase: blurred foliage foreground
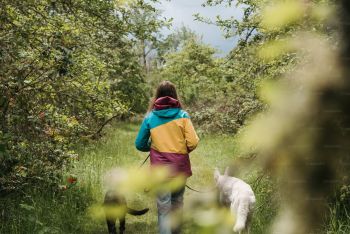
(308,120)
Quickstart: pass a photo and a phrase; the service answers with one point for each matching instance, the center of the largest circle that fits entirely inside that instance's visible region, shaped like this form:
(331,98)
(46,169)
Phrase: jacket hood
(165,103)
(166,107)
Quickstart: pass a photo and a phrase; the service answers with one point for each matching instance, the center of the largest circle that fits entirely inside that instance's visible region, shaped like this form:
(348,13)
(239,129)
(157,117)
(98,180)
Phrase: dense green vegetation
(276,105)
(66,68)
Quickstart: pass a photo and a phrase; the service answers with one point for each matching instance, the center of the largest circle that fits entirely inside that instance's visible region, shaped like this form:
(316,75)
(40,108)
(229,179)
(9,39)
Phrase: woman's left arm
(190,135)
(142,141)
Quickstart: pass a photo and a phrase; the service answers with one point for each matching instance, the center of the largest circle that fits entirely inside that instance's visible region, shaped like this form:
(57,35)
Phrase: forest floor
(68,210)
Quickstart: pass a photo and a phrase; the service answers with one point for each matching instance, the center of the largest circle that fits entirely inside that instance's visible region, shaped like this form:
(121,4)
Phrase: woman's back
(172,135)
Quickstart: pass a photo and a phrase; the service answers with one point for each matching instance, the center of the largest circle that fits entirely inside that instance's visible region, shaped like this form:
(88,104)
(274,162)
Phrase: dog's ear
(226,171)
(216,174)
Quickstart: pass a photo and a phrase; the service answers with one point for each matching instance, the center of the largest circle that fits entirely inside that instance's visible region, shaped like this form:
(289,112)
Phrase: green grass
(67,211)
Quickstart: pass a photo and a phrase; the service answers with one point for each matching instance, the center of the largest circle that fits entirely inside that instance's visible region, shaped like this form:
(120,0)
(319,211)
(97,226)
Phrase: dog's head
(220,178)
(113,178)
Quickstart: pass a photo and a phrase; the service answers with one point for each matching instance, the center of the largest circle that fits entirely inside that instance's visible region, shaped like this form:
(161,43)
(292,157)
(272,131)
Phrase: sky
(182,12)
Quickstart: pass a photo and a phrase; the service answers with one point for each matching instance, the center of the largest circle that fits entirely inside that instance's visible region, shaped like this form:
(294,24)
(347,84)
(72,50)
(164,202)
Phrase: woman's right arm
(142,141)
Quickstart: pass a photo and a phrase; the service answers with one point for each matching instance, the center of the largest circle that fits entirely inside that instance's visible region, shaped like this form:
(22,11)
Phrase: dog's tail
(137,212)
(242,215)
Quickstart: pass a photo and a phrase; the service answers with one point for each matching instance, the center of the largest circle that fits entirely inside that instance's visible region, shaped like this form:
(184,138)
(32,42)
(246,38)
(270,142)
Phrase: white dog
(238,195)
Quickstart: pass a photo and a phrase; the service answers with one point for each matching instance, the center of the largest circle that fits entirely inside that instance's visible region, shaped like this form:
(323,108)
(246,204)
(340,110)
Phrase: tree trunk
(144,55)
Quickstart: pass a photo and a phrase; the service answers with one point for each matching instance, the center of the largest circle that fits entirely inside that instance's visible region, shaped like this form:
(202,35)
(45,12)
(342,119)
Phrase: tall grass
(338,222)
(67,211)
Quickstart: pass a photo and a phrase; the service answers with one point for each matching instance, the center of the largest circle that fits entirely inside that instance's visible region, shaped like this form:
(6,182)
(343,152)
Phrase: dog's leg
(122,225)
(111,226)
(249,220)
(242,212)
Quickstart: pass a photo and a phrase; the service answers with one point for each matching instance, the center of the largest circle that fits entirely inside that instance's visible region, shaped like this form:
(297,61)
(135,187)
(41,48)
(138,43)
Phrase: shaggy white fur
(238,195)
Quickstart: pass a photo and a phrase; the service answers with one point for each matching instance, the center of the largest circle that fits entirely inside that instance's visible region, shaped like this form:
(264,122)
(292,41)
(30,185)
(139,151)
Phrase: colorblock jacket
(167,132)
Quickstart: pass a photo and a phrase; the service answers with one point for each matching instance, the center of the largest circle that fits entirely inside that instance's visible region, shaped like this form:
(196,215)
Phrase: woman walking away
(167,132)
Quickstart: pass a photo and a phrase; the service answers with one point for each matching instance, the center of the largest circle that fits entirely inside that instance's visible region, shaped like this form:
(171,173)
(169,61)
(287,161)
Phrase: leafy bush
(67,67)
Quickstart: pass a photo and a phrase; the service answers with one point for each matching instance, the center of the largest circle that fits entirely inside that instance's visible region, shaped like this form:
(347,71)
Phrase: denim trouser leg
(167,203)
(177,202)
(164,207)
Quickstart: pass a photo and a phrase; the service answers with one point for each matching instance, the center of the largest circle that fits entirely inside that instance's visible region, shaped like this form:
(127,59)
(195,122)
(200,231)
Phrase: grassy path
(67,211)
(117,150)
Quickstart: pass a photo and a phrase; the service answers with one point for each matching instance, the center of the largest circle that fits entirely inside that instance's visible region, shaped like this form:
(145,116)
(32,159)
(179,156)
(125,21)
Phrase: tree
(146,25)
(175,41)
(193,70)
(66,68)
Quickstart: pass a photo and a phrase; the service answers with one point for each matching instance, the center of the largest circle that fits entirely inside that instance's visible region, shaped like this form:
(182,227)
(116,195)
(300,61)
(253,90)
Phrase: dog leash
(187,186)
(198,191)
(144,161)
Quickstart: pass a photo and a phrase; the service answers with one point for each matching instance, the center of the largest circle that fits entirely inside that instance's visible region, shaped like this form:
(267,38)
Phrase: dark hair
(165,88)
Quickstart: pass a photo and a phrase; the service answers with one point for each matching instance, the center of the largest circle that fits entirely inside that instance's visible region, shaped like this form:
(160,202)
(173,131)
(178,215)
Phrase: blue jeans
(167,203)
